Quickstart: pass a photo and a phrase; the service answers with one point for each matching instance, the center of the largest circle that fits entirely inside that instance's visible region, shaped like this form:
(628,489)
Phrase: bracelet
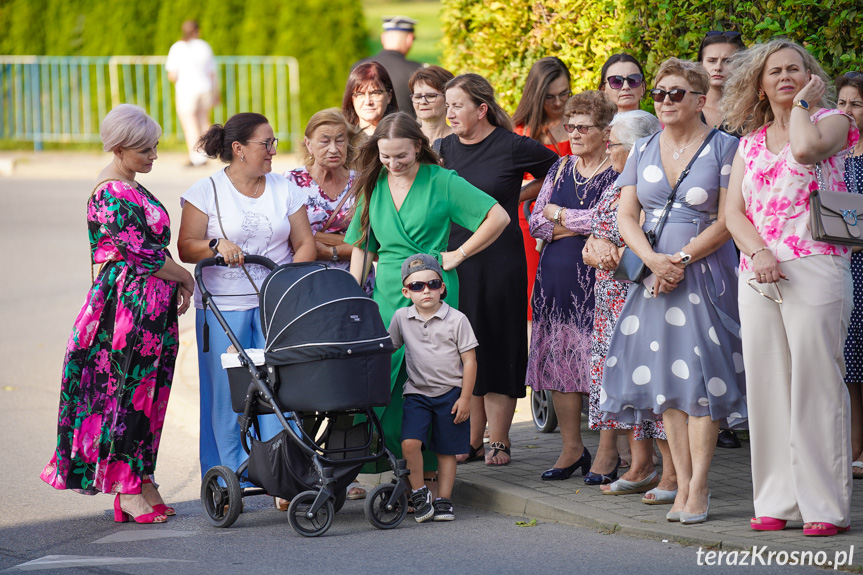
(758,250)
(556,217)
(461,249)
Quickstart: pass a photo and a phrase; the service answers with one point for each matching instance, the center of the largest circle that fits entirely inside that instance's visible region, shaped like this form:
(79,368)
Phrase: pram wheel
(376,507)
(298,515)
(221,496)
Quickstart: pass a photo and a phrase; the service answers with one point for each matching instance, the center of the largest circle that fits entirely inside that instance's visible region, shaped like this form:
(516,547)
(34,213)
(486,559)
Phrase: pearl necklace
(254,194)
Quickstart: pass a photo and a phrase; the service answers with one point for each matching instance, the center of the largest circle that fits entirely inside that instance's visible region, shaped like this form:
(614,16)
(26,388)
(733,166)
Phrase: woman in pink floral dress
(795,293)
(120,357)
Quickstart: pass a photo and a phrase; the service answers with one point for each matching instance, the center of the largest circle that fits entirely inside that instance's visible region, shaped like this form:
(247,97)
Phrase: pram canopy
(310,312)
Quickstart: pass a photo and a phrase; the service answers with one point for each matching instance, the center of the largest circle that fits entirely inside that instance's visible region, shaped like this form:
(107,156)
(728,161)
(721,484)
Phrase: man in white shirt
(191,67)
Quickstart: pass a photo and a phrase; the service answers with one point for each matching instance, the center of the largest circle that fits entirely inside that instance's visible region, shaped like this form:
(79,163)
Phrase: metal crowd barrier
(63,99)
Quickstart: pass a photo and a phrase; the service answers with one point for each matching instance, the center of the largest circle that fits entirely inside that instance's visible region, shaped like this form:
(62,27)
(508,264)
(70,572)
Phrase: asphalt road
(43,279)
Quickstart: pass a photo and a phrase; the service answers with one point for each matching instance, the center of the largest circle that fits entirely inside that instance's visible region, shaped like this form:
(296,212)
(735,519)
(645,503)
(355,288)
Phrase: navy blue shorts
(419,413)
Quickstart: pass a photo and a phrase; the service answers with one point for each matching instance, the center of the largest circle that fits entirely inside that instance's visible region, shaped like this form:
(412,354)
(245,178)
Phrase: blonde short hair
(128,126)
(743,110)
(693,72)
(332,117)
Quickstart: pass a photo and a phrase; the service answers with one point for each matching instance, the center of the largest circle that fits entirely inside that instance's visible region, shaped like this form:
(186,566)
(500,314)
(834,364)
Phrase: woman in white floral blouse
(326,180)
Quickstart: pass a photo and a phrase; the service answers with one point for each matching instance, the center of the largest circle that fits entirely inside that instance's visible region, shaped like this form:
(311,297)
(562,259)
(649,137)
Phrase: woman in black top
(484,151)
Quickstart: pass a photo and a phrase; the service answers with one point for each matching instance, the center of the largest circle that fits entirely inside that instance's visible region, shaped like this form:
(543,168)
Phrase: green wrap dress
(437,198)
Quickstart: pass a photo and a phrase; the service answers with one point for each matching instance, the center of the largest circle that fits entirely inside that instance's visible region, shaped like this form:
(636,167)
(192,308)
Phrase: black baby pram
(326,360)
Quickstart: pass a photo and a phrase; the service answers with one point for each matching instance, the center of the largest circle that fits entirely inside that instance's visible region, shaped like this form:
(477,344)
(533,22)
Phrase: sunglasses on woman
(570,128)
(616,82)
(676,94)
(420,286)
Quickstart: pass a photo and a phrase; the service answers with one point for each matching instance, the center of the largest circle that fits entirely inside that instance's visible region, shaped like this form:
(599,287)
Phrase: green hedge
(326,36)
(501,40)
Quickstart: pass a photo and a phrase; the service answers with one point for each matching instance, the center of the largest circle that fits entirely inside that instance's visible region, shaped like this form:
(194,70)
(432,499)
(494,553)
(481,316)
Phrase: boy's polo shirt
(432,348)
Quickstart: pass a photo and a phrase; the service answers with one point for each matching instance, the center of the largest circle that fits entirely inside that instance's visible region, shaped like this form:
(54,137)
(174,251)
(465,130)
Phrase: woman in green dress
(407,204)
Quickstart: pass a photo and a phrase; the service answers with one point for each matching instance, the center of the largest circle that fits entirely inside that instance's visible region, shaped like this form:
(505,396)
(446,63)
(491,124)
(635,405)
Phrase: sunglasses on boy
(676,94)
(616,82)
(420,286)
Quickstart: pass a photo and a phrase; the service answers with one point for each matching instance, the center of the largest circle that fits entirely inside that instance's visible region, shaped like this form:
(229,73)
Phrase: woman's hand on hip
(231,252)
(766,268)
(451,260)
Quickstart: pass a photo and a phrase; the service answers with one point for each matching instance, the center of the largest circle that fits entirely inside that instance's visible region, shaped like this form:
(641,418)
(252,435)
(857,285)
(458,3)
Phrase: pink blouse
(776,191)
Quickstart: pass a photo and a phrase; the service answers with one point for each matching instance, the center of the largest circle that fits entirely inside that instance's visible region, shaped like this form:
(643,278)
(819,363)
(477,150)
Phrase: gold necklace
(258,185)
(575,175)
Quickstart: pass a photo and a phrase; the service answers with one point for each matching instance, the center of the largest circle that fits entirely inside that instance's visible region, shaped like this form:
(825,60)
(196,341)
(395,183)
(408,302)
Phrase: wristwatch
(684,257)
(802,104)
(335,254)
(214,245)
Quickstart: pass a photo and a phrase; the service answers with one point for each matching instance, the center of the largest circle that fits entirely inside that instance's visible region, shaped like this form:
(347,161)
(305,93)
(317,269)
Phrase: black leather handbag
(631,267)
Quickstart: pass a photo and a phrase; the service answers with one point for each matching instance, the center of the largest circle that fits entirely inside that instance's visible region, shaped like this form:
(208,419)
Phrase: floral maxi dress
(120,357)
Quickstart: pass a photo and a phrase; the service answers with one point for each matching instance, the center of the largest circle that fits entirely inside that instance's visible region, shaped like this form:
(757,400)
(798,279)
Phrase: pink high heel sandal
(120,516)
(767,523)
(161,507)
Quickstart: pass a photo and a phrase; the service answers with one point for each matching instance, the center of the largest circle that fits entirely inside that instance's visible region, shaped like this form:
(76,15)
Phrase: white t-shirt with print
(260,226)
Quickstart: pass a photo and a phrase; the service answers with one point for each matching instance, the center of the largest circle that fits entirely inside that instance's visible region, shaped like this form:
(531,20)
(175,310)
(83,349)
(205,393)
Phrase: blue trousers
(220,432)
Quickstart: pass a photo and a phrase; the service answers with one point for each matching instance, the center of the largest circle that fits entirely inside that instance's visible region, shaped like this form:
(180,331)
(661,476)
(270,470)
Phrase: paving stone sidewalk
(516,489)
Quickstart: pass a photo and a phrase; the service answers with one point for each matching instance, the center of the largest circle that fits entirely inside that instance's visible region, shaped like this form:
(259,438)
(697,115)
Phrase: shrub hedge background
(501,40)
(326,36)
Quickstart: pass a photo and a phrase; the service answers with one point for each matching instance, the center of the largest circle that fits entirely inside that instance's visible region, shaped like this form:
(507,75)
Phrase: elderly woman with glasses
(793,335)
(603,252)
(676,350)
(368,97)
(242,209)
(559,359)
(426,85)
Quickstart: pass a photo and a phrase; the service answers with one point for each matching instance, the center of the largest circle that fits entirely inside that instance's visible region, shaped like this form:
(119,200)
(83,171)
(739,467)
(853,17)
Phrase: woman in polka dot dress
(676,349)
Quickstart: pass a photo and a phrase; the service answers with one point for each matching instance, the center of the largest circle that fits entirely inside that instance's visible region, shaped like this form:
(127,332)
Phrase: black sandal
(474,454)
(498,446)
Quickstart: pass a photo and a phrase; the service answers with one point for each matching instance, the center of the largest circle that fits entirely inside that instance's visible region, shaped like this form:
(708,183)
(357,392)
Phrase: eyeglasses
(430,97)
(420,286)
(676,94)
(562,97)
(373,95)
(270,144)
(570,128)
(609,145)
(727,34)
(616,82)
(761,292)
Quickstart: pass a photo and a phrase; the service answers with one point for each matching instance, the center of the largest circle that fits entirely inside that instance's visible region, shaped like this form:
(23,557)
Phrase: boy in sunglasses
(441,364)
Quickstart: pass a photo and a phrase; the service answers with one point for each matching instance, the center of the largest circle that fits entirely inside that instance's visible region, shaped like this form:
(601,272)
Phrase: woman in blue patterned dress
(850,101)
(676,349)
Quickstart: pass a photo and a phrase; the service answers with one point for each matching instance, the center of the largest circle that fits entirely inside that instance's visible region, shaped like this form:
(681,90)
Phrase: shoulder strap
(222,228)
(336,211)
(661,223)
